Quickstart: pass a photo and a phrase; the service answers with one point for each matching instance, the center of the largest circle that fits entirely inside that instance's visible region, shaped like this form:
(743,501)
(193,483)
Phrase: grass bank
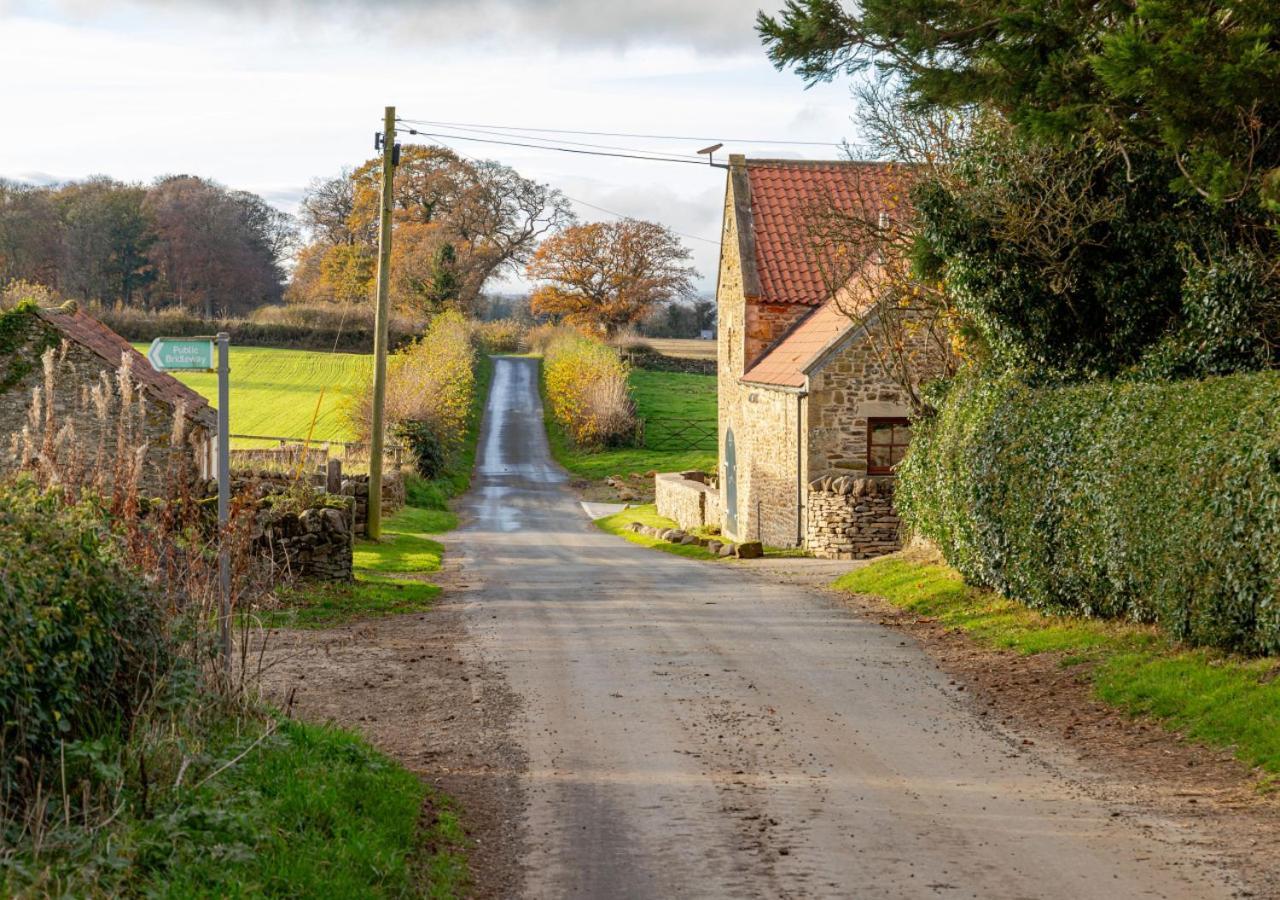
(1220,699)
(263,807)
(648,515)
(658,396)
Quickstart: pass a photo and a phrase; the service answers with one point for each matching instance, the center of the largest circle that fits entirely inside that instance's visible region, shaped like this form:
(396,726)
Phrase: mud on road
(622,723)
(410,686)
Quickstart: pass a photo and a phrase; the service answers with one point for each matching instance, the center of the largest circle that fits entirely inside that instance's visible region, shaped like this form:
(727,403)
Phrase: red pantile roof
(791,201)
(88,332)
(785,364)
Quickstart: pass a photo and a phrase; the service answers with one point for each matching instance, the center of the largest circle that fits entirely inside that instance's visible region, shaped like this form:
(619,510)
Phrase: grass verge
(1220,699)
(648,515)
(242,804)
(388,572)
(658,395)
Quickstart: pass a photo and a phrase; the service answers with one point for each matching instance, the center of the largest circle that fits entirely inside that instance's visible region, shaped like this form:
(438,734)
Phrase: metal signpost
(196,354)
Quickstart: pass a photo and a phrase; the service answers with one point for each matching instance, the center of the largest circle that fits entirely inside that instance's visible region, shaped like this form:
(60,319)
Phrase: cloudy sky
(265,95)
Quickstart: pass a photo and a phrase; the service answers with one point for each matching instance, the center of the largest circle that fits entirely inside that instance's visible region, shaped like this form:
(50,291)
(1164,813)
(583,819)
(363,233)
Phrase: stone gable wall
(765,437)
(77,370)
(843,394)
(766,323)
(763,420)
(852,518)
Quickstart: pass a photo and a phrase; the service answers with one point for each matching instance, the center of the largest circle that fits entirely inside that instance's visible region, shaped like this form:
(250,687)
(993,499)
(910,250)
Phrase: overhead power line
(484,140)
(562,141)
(612,212)
(619,134)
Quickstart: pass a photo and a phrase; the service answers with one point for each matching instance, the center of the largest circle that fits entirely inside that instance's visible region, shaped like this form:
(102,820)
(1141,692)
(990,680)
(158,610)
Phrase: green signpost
(181,353)
(190,354)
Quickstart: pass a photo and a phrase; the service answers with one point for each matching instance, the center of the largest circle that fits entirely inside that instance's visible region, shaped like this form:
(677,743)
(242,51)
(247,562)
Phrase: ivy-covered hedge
(80,638)
(1158,502)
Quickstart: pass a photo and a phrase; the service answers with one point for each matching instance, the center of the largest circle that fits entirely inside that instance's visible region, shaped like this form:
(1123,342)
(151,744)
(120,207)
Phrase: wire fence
(677,435)
(272,453)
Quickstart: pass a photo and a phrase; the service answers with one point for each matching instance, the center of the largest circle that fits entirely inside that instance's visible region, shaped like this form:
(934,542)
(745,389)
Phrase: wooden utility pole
(373,527)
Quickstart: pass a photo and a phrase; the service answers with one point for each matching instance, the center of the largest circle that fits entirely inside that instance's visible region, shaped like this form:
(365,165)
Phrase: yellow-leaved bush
(431,381)
(586,385)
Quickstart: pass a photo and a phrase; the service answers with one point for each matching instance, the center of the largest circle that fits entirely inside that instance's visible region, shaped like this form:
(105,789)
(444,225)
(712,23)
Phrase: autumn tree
(216,251)
(180,240)
(106,239)
(608,275)
(488,216)
(30,234)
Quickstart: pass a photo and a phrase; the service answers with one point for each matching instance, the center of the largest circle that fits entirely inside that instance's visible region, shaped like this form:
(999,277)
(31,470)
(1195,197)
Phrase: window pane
(902,434)
(899,451)
(882,433)
(881,456)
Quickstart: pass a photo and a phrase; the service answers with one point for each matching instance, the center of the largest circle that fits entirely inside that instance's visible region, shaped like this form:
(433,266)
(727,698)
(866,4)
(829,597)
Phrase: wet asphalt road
(695,731)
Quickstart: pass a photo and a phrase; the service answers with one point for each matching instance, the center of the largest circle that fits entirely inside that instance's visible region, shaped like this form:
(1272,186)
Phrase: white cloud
(268,101)
(707,25)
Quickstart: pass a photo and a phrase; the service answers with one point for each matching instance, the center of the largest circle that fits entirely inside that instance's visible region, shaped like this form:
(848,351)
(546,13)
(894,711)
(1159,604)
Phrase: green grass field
(658,396)
(274,392)
(1223,700)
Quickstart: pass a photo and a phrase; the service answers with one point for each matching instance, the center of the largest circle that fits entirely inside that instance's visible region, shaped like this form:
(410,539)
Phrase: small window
(887,441)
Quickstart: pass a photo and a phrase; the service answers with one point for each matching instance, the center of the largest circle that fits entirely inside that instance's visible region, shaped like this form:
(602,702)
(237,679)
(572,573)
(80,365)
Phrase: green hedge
(80,638)
(1154,502)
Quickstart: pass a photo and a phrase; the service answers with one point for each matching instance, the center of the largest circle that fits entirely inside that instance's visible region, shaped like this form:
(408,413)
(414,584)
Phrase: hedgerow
(586,384)
(498,336)
(431,382)
(83,640)
(1157,502)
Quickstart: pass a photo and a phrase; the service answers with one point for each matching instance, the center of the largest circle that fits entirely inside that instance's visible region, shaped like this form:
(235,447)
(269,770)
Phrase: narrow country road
(695,731)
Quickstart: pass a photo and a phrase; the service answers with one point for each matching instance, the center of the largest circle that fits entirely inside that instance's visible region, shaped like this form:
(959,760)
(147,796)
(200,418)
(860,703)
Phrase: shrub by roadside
(432,381)
(84,644)
(586,386)
(1152,502)
(127,771)
(499,336)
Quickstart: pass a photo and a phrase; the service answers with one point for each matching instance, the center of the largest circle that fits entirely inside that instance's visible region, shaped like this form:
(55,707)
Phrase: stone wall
(354,486)
(314,543)
(357,486)
(851,387)
(768,490)
(686,498)
(852,518)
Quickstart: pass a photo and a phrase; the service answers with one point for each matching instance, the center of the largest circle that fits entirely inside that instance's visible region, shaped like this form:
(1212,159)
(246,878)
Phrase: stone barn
(811,424)
(86,352)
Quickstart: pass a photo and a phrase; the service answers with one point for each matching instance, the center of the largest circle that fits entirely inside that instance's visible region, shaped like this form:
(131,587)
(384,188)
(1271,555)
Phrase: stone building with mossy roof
(77,398)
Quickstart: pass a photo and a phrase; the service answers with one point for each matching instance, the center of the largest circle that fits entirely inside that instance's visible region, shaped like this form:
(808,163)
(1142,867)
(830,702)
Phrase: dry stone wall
(314,543)
(687,499)
(852,518)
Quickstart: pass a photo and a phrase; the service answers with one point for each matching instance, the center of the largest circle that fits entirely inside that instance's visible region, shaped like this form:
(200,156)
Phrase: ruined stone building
(83,423)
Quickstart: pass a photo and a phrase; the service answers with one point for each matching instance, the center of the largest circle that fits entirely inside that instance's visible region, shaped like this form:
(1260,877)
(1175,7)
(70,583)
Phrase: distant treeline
(181,241)
(298,327)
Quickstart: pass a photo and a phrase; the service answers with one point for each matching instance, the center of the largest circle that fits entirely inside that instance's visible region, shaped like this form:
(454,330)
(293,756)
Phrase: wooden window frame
(871,426)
